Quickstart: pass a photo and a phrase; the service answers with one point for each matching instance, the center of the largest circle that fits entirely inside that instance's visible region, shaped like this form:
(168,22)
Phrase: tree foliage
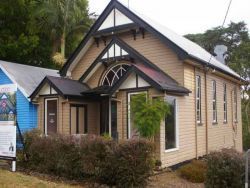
(148,114)
(32,31)
(230,36)
(63,21)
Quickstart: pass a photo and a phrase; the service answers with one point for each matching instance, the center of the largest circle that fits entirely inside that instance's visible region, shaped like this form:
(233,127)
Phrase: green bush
(225,169)
(246,141)
(125,164)
(194,171)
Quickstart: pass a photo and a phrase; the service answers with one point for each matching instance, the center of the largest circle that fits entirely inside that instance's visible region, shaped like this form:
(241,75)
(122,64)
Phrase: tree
(231,36)
(148,114)
(240,62)
(18,43)
(62,20)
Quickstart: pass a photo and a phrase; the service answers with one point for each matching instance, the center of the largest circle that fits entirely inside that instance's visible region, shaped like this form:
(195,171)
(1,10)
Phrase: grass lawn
(20,180)
(16,179)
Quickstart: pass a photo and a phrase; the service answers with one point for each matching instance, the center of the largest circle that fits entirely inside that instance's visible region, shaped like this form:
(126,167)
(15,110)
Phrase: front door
(51,117)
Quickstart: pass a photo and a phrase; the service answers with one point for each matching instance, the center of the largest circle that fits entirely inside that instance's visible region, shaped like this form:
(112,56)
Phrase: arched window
(114,74)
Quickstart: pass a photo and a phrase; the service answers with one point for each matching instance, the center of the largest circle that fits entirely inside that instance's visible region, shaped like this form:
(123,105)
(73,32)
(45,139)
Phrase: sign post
(8,123)
(246,168)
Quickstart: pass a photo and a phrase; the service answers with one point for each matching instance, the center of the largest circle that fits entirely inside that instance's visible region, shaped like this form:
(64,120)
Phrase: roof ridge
(24,65)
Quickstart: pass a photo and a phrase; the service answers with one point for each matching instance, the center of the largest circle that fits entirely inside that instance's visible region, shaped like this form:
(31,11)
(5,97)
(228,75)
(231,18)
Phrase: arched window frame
(110,81)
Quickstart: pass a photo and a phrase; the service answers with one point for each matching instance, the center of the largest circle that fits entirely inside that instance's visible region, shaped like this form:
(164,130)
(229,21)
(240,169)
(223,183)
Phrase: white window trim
(214,93)
(235,106)
(129,115)
(198,86)
(176,128)
(45,111)
(225,112)
(115,73)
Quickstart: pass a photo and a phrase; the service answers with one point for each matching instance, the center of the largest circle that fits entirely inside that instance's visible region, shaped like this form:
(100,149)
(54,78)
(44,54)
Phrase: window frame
(225,110)
(198,99)
(214,102)
(176,126)
(235,106)
(123,67)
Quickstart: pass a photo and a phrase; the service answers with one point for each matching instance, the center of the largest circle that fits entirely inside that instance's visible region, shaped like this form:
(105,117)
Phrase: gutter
(191,57)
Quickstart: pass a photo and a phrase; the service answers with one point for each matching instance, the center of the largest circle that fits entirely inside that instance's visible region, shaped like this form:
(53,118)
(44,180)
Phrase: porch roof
(155,78)
(64,86)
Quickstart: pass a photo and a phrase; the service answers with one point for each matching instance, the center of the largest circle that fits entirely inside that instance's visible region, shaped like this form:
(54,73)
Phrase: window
(171,129)
(114,74)
(198,99)
(214,102)
(235,105)
(225,102)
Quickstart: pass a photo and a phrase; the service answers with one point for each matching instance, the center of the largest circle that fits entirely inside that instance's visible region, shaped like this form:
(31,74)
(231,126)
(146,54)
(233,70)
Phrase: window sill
(215,123)
(171,150)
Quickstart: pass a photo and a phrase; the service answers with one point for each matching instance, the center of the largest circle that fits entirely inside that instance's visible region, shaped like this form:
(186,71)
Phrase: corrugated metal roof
(163,80)
(68,87)
(26,77)
(191,48)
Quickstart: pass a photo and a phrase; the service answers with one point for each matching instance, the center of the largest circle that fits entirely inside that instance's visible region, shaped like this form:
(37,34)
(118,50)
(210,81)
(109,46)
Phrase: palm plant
(61,19)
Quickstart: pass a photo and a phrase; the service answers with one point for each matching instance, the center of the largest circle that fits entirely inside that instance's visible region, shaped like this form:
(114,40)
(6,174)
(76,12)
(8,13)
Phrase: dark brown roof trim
(132,52)
(115,4)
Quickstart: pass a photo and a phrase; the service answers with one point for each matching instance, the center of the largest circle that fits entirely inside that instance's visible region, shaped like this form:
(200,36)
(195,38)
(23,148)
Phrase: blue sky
(186,16)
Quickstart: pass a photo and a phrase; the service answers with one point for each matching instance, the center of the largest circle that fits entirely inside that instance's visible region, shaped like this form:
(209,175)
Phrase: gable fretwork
(114,19)
(114,51)
(123,62)
(114,74)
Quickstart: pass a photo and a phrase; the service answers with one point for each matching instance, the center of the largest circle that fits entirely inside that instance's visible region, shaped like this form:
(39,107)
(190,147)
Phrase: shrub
(225,169)
(148,114)
(58,155)
(125,164)
(194,171)
(134,163)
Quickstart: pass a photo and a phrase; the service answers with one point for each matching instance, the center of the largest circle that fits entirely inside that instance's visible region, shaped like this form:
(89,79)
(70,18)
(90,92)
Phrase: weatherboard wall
(26,111)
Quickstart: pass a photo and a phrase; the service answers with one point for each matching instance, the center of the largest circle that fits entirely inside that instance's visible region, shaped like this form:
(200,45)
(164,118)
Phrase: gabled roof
(184,48)
(26,77)
(161,80)
(129,50)
(154,77)
(63,86)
